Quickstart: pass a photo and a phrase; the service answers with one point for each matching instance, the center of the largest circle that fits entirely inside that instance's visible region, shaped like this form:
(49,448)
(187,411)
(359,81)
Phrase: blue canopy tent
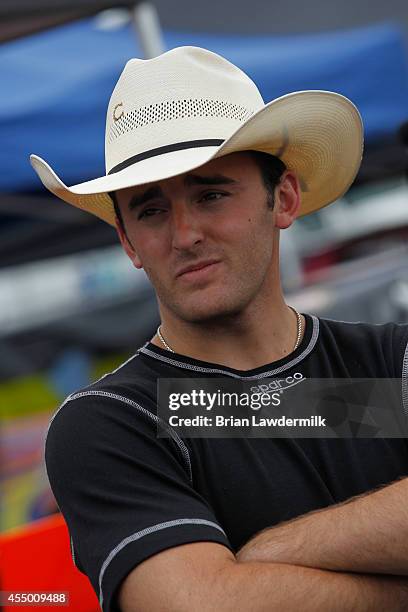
(58,83)
(56,86)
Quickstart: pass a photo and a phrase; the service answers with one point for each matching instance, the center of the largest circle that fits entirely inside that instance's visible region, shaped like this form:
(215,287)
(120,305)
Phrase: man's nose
(186,227)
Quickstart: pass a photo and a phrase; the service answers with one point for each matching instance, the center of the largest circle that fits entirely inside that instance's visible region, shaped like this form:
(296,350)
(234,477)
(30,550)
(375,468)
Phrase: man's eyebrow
(216,179)
(190,180)
(149,194)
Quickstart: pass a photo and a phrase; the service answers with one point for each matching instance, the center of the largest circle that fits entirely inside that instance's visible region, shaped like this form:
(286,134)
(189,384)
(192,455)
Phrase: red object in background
(37,557)
(315,264)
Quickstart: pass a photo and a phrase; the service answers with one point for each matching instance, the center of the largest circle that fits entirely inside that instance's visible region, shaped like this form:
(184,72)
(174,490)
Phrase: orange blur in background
(37,557)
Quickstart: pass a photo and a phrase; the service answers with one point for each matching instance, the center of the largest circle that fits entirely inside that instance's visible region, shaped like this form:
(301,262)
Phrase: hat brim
(317,134)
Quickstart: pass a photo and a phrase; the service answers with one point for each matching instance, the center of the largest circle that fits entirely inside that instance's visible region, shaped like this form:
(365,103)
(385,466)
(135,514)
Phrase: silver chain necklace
(298,335)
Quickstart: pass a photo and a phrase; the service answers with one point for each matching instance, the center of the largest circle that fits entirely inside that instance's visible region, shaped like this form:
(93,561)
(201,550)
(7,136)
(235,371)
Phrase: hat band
(178,146)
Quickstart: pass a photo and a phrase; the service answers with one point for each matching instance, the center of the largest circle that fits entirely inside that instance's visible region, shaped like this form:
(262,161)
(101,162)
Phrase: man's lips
(197,266)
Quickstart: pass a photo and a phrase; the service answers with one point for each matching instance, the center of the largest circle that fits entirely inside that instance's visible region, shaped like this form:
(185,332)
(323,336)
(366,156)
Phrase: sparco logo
(279,384)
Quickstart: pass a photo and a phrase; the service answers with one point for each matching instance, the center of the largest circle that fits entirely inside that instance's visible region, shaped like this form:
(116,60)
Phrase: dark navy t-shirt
(127,494)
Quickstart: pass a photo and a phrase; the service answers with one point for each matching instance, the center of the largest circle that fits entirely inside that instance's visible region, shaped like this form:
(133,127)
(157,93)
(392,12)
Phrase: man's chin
(203,313)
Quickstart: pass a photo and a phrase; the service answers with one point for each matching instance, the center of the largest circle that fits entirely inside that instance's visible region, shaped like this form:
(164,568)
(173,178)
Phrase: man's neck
(240,342)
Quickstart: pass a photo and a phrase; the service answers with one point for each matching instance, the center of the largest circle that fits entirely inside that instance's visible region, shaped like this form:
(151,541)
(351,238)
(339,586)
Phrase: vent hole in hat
(176,109)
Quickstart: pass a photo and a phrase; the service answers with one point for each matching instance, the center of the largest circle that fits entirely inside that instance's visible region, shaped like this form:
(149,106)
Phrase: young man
(201,178)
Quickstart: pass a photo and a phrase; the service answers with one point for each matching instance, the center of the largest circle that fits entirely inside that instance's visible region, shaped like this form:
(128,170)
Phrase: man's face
(205,238)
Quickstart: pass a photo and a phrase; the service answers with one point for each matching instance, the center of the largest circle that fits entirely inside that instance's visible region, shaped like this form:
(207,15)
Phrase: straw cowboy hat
(176,112)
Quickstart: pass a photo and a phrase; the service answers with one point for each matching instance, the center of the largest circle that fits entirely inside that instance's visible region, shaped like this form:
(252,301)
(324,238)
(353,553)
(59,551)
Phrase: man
(201,177)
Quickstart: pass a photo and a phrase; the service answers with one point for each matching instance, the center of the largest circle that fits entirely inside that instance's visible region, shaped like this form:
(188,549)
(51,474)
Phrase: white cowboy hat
(177,111)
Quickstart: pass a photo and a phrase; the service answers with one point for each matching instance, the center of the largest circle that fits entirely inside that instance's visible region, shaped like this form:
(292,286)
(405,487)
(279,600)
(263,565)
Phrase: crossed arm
(366,534)
(349,556)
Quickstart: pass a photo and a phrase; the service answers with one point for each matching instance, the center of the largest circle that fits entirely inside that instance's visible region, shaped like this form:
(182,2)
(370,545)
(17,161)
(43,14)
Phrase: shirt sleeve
(400,343)
(125,494)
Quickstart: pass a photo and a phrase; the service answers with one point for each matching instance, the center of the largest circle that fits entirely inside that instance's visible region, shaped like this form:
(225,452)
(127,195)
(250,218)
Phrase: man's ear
(128,246)
(287,200)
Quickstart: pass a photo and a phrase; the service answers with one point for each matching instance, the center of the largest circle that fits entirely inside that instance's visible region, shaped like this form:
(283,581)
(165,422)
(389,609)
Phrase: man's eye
(212,195)
(150,212)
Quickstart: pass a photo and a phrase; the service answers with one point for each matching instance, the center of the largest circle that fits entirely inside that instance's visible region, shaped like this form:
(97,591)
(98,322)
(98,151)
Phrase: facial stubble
(249,273)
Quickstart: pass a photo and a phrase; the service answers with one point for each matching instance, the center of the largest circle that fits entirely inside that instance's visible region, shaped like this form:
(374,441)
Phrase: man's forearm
(368,534)
(275,587)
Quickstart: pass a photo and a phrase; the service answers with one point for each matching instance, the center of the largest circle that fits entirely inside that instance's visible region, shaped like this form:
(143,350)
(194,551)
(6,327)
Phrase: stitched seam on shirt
(67,399)
(194,368)
(45,463)
(404,381)
(180,444)
(116,369)
(148,530)
(73,551)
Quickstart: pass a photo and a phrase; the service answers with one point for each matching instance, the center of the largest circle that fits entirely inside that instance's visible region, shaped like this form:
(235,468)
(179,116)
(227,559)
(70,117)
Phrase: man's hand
(367,534)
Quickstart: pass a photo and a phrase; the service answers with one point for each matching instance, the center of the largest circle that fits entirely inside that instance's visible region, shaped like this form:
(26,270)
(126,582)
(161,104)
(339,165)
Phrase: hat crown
(186,94)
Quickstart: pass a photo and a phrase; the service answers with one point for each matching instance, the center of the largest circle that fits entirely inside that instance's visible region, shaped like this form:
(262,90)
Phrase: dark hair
(270,167)
(118,214)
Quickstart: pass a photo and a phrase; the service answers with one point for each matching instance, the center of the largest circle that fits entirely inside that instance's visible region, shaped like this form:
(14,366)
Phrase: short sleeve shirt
(127,494)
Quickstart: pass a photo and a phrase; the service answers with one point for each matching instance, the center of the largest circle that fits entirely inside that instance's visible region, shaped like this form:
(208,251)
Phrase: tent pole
(147,25)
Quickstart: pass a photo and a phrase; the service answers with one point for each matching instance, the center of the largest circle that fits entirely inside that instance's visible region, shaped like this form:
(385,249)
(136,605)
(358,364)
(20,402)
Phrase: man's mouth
(197,269)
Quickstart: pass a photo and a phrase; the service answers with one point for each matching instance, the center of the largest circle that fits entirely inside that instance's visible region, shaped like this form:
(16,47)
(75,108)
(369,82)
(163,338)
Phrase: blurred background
(71,305)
